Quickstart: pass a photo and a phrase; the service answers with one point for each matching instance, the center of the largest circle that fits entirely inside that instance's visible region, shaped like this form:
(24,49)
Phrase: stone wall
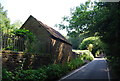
(62,52)
(19,60)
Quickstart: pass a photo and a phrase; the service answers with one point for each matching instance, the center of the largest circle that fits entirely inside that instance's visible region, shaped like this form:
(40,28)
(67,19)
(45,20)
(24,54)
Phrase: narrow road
(96,70)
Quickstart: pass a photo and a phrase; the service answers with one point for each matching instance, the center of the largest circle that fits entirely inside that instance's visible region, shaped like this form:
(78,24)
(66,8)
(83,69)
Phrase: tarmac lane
(96,70)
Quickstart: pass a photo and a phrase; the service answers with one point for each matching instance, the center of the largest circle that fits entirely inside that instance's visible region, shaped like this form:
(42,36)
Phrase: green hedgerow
(30,75)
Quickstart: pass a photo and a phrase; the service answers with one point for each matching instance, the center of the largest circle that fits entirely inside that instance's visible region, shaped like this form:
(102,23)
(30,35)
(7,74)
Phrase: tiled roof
(54,33)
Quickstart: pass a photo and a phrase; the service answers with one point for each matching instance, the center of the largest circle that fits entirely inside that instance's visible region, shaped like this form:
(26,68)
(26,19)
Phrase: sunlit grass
(79,51)
(84,53)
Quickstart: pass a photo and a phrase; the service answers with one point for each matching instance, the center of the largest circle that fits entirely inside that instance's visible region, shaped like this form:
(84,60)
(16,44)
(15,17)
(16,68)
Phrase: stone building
(49,42)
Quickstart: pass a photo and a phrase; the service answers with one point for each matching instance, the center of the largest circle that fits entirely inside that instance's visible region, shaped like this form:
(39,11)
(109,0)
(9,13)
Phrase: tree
(96,19)
(79,20)
(16,25)
(93,44)
(4,20)
(76,40)
(100,19)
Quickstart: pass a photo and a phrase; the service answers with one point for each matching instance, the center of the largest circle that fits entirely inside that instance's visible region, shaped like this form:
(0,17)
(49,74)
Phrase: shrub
(76,40)
(30,75)
(53,71)
(75,63)
(90,47)
(26,34)
(87,55)
(95,41)
(114,65)
(29,39)
(7,75)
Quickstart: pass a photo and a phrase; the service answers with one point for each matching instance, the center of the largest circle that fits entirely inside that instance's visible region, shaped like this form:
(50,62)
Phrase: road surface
(96,70)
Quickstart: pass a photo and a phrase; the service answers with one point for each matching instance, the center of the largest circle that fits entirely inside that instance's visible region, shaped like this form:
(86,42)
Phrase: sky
(49,12)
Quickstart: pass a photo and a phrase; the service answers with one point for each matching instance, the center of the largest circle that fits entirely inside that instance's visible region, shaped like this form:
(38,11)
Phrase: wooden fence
(12,42)
(13,51)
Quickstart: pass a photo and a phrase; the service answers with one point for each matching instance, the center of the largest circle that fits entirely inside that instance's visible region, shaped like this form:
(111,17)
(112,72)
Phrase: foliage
(79,20)
(95,41)
(84,54)
(17,24)
(53,71)
(4,21)
(90,47)
(32,75)
(98,19)
(7,75)
(114,65)
(107,26)
(101,20)
(24,33)
(87,55)
(29,38)
(76,40)
(74,64)
(6,27)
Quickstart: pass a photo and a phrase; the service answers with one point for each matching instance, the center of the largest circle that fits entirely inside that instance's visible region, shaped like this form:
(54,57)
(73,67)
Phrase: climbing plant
(28,38)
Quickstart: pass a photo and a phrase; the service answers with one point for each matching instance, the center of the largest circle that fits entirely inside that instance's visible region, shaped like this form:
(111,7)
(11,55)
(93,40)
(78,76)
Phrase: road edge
(68,75)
